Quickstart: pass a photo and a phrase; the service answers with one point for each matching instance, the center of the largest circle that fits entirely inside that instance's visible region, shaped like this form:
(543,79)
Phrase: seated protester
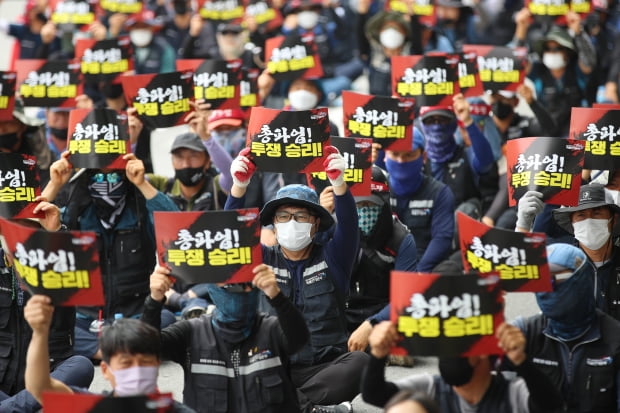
(423,204)
(561,77)
(456,20)
(118,206)
(572,343)
(152,53)
(458,167)
(57,129)
(306,94)
(129,349)
(187,32)
(386,244)
(315,276)
(64,366)
(411,402)
(237,358)
(464,384)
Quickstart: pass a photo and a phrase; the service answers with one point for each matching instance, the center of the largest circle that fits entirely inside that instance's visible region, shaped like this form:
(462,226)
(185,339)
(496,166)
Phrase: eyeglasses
(284,216)
(437,120)
(112,177)
(236,288)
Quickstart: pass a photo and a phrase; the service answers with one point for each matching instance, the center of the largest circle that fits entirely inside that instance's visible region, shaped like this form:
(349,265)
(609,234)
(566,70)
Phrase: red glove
(334,165)
(242,169)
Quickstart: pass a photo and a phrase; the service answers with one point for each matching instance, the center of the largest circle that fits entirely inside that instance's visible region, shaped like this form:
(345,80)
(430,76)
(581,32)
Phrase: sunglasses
(437,120)
(111,177)
(236,288)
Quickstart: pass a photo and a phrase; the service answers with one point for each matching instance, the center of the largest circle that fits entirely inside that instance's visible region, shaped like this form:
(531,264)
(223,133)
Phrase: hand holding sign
(530,205)
(38,313)
(134,124)
(334,167)
(512,342)
(160,282)
(51,218)
(242,169)
(461,109)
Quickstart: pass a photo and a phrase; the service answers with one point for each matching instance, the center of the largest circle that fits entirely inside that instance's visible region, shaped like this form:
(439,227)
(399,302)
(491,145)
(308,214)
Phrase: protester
(152,53)
(129,349)
(315,277)
(236,359)
(411,402)
(57,130)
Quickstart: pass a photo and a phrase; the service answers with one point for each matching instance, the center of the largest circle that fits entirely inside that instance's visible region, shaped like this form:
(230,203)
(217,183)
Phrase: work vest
(460,178)
(495,400)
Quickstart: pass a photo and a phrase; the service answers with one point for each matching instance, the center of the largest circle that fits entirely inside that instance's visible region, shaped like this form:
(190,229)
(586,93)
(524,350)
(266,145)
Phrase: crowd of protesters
(312,330)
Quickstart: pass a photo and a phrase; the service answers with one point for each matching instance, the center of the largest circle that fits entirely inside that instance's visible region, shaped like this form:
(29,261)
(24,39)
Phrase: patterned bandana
(109,199)
(440,142)
(368,216)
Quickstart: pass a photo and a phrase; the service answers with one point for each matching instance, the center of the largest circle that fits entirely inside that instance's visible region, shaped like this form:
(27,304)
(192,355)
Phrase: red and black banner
(469,76)
(599,129)
(288,141)
(121,6)
(97,403)
(62,265)
(431,79)
(500,68)
(98,138)
(388,121)
(357,155)
(19,185)
(248,89)
(445,314)
(49,83)
(217,82)
(293,56)
(104,60)
(267,17)
(424,9)
(7,95)
(161,100)
(221,10)
(519,258)
(72,12)
(548,165)
(211,246)
(615,106)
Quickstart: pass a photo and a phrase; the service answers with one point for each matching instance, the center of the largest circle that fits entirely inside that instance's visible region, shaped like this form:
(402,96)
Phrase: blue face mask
(368,217)
(405,177)
(440,143)
(235,313)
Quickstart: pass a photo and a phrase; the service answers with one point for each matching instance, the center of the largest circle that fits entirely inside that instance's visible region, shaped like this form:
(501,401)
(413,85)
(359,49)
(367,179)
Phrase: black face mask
(112,91)
(9,140)
(59,133)
(180,7)
(190,176)
(456,371)
(502,110)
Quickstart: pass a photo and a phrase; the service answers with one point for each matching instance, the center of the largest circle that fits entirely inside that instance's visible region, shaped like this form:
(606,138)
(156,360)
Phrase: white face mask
(554,60)
(592,233)
(135,381)
(302,99)
(391,38)
(141,37)
(293,235)
(307,19)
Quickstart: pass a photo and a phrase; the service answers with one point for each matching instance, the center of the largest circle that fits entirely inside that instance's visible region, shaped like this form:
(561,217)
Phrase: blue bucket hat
(418,139)
(297,195)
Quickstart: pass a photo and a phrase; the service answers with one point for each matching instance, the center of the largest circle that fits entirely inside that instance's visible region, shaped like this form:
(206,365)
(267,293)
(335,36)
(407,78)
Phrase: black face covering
(502,110)
(456,371)
(9,140)
(190,176)
(180,7)
(112,91)
(59,133)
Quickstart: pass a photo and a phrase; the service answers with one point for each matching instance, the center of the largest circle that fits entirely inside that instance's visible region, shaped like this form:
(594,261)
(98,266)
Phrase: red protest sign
(98,138)
(293,56)
(161,100)
(445,315)
(211,246)
(7,95)
(548,165)
(62,265)
(49,83)
(357,174)
(388,121)
(431,79)
(218,82)
(98,403)
(519,258)
(288,141)
(500,68)
(598,128)
(19,185)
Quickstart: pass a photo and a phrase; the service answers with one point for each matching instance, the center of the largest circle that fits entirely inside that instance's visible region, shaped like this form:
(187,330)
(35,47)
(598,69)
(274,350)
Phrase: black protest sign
(357,174)
(431,79)
(423,9)
(469,76)
(161,100)
(288,141)
(293,56)
(104,60)
(548,165)
(217,82)
(19,185)
(388,121)
(49,83)
(248,89)
(62,265)
(7,95)
(72,12)
(121,6)
(98,403)
(600,129)
(209,247)
(500,68)
(520,259)
(221,10)
(267,17)
(445,315)
(98,138)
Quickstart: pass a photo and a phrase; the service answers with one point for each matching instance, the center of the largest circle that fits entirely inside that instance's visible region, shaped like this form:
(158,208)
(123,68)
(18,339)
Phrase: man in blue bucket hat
(315,277)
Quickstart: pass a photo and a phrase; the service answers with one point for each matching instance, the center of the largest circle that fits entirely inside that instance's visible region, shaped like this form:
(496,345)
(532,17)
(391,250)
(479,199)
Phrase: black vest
(459,177)
(152,62)
(320,302)
(253,377)
(495,400)
(593,383)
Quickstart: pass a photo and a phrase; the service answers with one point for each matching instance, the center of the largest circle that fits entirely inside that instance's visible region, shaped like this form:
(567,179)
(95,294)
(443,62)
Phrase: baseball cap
(445,111)
(188,140)
(220,117)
